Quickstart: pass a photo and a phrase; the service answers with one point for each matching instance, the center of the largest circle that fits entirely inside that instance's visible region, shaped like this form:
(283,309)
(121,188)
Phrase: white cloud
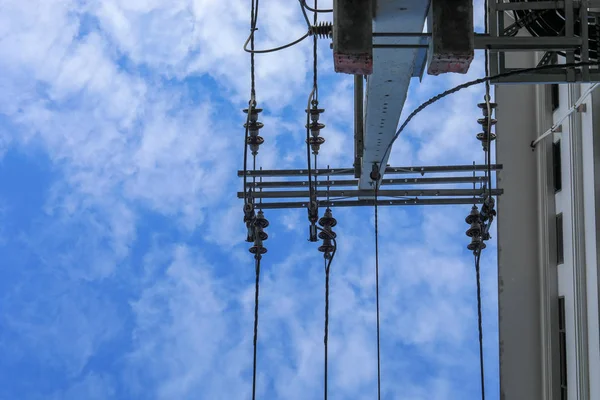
(140,116)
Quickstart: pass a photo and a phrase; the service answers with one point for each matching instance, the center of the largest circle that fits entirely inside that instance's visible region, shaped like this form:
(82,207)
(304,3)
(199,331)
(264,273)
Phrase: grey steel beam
(362,203)
(533,5)
(539,77)
(387,87)
(389,170)
(289,194)
(354,182)
(401,40)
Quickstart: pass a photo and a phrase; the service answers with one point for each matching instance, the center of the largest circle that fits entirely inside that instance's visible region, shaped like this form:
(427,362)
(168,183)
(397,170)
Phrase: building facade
(548,241)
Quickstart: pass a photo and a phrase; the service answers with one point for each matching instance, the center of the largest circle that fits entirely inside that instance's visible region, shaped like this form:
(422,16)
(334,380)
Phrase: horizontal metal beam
(542,5)
(288,194)
(362,203)
(389,170)
(543,77)
(531,5)
(354,182)
(399,40)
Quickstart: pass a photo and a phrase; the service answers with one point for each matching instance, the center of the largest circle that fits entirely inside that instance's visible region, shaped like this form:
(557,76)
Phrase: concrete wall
(519,294)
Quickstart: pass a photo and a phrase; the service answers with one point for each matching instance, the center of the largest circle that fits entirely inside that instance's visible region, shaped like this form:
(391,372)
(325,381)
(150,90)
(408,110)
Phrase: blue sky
(125,274)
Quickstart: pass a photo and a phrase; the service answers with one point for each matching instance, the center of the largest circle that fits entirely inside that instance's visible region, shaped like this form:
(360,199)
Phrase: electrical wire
(257,258)
(377,292)
(304,13)
(246,152)
(488,139)
(250,39)
(571,110)
(315,98)
(477,82)
(315,10)
(285,46)
(480,323)
(328,262)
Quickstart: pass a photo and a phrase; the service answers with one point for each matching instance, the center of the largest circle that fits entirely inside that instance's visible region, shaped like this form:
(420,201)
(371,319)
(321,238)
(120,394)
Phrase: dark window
(554,96)
(560,254)
(557,170)
(562,339)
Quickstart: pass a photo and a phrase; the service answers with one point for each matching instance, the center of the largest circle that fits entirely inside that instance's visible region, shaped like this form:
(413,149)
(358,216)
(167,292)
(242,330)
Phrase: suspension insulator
(315,112)
(257,250)
(327,234)
(473,216)
(484,123)
(315,144)
(315,128)
(327,219)
(254,140)
(261,221)
(326,247)
(484,138)
(474,229)
(476,244)
(484,108)
(253,114)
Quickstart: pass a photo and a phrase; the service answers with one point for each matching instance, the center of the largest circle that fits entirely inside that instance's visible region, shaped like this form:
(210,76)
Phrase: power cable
(304,13)
(480,323)
(571,110)
(477,82)
(285,46)
(488,131)
(256,294)
(375,176)
(315,10)
(328,261)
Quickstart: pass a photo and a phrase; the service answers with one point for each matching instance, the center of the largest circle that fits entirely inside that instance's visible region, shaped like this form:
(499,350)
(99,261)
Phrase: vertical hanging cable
(377,288)
(326,336)
(487,103)
(315,87)
(257,257)
(256,293)
(489,185)
(479,322)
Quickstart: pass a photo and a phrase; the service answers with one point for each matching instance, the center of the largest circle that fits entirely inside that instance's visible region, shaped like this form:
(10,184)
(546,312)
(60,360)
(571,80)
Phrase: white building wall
(578,275)
(577,278)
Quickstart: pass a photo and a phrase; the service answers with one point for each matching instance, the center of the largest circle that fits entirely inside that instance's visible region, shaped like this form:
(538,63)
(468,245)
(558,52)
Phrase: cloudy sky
(125,274)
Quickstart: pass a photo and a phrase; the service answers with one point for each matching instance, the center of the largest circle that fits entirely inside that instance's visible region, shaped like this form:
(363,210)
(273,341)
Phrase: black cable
(285,46)
(246,152)
(315,10)
(487,103)
(315,72)
(304,13)
(328,262)
(377,293)
(315,99)
(253,22)
(479,323)
(477,82)
(252,102)
(257,258)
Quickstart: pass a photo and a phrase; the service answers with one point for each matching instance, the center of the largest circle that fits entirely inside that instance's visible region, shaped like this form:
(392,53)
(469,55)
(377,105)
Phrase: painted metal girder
(387,87)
